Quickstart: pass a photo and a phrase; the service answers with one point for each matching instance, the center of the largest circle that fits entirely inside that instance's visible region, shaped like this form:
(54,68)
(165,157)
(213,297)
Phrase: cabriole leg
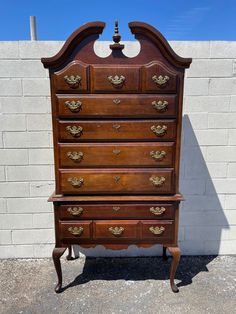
(69,256)
(56,254)
(176,253)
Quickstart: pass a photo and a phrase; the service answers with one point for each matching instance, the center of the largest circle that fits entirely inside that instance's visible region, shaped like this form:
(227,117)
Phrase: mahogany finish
(117,132)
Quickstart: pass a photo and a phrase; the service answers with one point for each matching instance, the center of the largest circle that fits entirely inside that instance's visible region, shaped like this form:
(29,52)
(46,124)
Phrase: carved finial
(116,38)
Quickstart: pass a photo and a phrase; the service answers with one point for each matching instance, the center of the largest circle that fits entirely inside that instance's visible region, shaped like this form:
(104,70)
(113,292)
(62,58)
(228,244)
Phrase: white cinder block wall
(208,171)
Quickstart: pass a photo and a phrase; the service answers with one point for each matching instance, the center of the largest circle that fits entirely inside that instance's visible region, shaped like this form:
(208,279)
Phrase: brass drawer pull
(76,182)
(116,208)
(75,211)
(160,80)
(116,80)
(116,178)
(116,126)
(116,231)
(159,130)
(116,151)
(116,101)
(74,130)
(73,105)
(72,80)
(160,106)
(158,155)
(157,210)
(77,231)
(75,156)
(157,181)
(157,230)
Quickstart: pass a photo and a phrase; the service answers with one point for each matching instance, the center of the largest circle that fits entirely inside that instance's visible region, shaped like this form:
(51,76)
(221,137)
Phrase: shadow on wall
(201,222)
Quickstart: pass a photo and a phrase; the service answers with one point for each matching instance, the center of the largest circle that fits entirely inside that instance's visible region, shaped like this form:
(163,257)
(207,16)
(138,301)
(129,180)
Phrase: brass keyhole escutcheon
(116,178)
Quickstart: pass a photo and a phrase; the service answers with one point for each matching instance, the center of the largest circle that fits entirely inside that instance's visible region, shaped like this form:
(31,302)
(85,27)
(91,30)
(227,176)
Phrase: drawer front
(75,230)
(116,230)
(158,230)
(112,181)
(73,78)
(117,211)
(115,79)
(158,78)
(116,130)
(117,155)
(116,105)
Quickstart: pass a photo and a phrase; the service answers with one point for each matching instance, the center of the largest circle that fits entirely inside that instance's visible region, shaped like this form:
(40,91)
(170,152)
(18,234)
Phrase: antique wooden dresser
(116,131)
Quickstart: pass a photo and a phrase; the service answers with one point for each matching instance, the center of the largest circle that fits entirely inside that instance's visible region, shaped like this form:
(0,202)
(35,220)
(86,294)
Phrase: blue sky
(176,19)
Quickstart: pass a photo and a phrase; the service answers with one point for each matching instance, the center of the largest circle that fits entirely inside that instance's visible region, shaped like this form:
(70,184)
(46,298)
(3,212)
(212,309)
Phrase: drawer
(158,78)
(117,155)
(116,229)
(72,78)
(158,230)
(115,78)
(75,230)
(116,105)
(116,130)
(117,211)
(114,181)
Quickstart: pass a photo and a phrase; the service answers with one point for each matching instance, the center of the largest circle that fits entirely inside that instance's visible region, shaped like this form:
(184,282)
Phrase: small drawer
(117,211)
(72,78)
(117,155)
(158,78)
(114,181)
(117,130)
(115,230)
(158,230)
(75,230)
(115,79)
(116,105)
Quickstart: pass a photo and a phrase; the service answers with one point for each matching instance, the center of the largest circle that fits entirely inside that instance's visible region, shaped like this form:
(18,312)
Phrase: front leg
(176,253)
(56,254)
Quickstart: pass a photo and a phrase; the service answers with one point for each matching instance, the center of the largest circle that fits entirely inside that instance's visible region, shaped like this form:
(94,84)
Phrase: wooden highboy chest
(116,131)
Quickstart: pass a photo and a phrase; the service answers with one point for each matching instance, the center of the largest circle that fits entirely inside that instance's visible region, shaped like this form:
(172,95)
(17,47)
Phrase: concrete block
(28,205)
(14,157)
(9,50)
(12,122)
(233,103)
(43,250)
(222,120)
(10,87)
(221,186)
(222,86)
(25,104)
(5,237)
(43,221)
(33,236)
(2,174)
(3,205)
(41,156)
(16,221)
(36,87)
(210,68)
(221,153)
(232,170)
(206,104)
(39,122)
(16,251)
(196,86)
(25,140)
(230,201)
(28,173)
(219,247)
(192,186)
(192,247)
(38,189)
(217,170)
(206,218)
(207,138)
(223,49)
(199,120)
(191,49)
(232,137)
(203,202)
(1,139)
(14,189)
(21,68)
(39,49)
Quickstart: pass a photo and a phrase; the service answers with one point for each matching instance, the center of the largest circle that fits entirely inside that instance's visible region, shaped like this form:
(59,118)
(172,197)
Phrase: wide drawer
(115,79)
(116,105)
(117,211)
(116,130)
(114,181)
(117,155)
